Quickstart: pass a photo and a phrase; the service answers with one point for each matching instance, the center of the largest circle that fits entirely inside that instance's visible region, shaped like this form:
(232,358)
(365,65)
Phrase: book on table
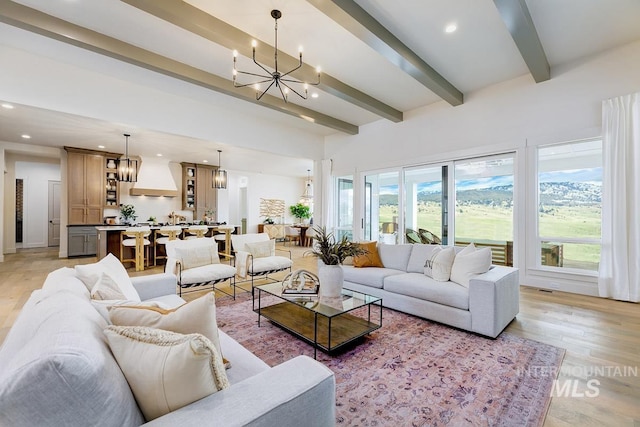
(306,291)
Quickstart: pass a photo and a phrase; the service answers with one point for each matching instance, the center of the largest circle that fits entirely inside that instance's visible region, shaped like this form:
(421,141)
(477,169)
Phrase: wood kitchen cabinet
(198,193)
(85,184)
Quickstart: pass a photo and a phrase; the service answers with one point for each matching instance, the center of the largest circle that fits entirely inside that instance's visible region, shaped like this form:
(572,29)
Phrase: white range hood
(154,179)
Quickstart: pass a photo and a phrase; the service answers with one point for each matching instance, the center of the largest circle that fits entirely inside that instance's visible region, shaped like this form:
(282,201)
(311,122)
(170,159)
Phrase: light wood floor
(596,333)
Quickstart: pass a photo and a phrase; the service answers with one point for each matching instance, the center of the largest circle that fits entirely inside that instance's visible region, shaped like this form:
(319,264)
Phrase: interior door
(54,213)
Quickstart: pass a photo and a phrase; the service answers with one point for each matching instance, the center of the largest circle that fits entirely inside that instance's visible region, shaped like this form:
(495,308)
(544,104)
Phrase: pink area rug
(413,372)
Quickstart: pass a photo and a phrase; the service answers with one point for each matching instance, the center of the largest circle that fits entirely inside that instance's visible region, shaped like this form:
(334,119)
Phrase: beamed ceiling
(379,58)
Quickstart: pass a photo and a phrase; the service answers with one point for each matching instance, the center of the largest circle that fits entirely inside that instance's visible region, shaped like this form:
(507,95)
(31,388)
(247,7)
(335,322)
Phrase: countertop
(119,227)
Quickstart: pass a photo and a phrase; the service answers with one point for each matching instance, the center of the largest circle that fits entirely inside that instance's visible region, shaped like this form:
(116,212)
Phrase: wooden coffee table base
(325,332)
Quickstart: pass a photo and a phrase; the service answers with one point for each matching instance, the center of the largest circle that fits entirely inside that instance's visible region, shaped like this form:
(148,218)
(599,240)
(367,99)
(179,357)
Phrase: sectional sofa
(57,369)
(486,306)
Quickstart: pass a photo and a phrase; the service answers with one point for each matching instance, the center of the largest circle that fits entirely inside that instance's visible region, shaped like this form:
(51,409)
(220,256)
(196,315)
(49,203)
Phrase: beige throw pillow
(197,256)
(90,274)
(166,370)
(438,266)
(106,289)
(197,316)
(470,262)
(262,249)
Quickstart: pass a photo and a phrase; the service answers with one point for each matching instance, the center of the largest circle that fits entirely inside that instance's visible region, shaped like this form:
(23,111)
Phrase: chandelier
(219,175)
(127,168)
(281,80)
(307,196)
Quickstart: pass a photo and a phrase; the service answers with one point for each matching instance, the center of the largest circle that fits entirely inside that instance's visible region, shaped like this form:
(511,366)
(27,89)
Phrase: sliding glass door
(484,204)
(426,200)
(381,207)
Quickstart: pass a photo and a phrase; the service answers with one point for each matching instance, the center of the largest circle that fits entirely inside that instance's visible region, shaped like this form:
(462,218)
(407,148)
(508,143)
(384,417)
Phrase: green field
(484,222)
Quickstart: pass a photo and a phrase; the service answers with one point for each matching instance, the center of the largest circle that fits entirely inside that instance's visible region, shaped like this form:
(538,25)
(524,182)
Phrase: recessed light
(314,95)
(205,161)
(7,106)
(25,136)
(100,146)
(450,28)
(159,154)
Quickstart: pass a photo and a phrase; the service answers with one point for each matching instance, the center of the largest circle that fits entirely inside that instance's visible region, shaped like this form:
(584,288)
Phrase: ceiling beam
(190,18)
(517,18)
(38,22)
(357,21)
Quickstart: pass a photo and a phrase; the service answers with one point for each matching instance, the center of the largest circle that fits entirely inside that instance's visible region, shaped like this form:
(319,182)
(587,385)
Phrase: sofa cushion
(90,273)
(262,249)
(395,256)
(373,276)
(438,266)
(271,263)
(470,262)
(106,289)
(245,364)
(56,367)
(197,316)
(197,256)
(206,273)
(370,258)
(422,287)
(166,370)
(419,255)
(65,279)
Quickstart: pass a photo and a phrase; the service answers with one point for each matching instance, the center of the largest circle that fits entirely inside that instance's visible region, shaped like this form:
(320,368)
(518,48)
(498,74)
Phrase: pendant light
(219,175)
(307,196)
(127,168)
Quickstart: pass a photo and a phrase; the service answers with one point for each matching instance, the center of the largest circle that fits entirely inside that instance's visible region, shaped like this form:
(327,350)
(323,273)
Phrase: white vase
(331,280)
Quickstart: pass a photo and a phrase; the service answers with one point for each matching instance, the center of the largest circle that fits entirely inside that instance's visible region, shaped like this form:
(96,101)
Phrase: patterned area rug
(413,372)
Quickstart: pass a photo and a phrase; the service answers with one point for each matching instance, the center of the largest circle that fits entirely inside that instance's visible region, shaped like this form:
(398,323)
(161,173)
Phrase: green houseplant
(128,213)
(300,211)
(332,252)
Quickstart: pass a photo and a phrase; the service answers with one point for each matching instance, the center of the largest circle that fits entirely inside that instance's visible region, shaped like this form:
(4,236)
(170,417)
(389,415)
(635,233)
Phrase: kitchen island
(109,237)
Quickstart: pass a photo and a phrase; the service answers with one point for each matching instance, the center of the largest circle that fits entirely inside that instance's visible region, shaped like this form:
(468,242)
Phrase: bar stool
(227,230)
(137,239)
(161,236)
(196,231)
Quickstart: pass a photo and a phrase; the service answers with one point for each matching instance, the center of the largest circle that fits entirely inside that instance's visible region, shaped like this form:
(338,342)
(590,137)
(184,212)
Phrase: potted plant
(128,214)
(300,211)
(332,252)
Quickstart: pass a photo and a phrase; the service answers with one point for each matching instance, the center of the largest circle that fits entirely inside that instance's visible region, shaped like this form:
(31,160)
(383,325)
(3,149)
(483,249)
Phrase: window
(570,205)
(426,204)
(484,205)
(344,195)
(381,207)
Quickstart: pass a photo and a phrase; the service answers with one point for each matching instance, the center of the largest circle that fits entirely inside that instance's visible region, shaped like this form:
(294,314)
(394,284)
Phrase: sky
(591,176)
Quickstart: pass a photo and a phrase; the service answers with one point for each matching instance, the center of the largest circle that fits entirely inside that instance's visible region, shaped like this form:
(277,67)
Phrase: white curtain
(619,275)
(327,194)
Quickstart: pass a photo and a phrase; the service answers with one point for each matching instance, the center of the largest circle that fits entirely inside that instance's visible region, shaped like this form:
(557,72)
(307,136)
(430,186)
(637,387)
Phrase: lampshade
(219,175)
(126,167)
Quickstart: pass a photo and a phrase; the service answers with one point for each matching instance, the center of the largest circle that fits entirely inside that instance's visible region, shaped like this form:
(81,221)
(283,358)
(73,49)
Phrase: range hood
(154,179)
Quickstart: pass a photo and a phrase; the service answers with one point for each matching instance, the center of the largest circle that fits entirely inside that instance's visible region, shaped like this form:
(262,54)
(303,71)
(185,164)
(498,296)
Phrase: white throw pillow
(106,289)
(90,273)
(166,370)
(198,256)
(470,262)
(438,266)
(262,249)
(197,316)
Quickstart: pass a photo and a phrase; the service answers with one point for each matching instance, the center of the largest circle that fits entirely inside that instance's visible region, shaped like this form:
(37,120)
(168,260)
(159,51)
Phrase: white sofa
(56,369)
(486,307)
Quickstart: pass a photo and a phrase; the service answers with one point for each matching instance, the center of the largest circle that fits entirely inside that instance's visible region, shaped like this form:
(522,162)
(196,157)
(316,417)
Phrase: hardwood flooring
(601,337)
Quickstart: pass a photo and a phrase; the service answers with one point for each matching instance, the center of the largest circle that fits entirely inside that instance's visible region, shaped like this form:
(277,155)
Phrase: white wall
(505,117)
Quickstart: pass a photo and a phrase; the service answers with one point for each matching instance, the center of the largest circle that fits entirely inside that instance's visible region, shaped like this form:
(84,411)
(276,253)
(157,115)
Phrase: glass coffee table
(325,323)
